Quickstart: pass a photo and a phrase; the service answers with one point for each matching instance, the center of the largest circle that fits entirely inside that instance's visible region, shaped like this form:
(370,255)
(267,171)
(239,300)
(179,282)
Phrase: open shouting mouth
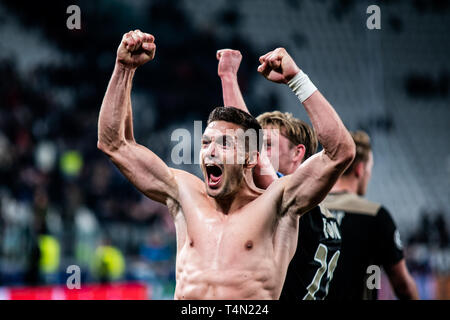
(214,175)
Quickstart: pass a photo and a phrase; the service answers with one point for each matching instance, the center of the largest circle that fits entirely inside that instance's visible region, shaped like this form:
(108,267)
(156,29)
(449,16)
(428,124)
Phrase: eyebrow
(218,137)
(227,136)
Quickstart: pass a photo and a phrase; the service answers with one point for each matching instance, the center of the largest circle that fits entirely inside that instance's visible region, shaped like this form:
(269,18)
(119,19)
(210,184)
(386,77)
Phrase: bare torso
(241,255)
(225,254)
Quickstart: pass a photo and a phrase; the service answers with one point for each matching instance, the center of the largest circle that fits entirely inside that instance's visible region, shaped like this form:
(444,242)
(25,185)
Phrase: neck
(345,184)
(294,166)
(247,191)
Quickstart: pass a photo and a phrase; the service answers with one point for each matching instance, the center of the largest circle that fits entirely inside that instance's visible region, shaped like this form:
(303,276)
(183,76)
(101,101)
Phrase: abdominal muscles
(234,274)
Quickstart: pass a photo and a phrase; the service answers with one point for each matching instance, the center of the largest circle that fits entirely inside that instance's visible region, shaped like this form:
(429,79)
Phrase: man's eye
(223,142)
(205,142)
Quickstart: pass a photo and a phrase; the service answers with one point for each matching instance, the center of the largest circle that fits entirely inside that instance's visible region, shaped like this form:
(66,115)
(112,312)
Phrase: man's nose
(212,149)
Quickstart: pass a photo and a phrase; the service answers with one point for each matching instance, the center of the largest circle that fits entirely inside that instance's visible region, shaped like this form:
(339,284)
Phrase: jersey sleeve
(390,248)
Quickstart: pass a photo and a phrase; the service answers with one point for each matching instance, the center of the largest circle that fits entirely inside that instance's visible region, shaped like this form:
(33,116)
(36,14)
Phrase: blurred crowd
(428,255)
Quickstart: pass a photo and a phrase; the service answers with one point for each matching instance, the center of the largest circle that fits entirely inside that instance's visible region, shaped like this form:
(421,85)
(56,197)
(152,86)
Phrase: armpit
(173,206)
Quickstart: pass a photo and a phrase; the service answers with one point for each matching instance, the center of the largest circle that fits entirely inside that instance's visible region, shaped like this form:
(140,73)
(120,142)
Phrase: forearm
(114,125)
(401,281)
(232,96)
(129,135)
(404,287)
(408,291)
(336,141)
(312,181)
(331,132)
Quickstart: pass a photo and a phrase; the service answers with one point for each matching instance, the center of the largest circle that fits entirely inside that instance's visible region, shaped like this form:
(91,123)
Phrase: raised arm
(145,170)
(229,60)
(313,179)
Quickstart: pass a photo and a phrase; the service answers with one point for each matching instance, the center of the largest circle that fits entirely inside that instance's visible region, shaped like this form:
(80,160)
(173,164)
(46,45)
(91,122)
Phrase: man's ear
(359,169)
(251,159)
(299,153)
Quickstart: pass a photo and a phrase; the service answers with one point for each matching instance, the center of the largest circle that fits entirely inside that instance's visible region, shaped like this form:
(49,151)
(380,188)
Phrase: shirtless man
(234,240)
(289,142)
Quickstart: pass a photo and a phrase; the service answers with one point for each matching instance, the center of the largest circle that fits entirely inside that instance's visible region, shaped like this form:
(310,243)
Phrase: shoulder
(385,217)
(384,212)
(187,185)
(351,203)
(272,197)
(183,177)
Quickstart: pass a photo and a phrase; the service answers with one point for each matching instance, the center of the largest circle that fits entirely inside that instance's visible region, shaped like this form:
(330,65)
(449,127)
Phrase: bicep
(146,171)
(310,183)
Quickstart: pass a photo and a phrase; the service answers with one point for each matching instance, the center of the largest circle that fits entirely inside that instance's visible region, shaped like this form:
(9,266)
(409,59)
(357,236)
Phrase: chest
(234,232)
(211,232)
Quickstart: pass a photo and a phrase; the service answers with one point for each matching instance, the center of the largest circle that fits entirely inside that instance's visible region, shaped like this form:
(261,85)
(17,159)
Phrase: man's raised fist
(136,49)
(278,66)
(229,61)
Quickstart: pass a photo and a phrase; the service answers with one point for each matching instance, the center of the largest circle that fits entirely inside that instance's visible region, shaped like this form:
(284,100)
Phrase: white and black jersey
(316,257)
(369,238)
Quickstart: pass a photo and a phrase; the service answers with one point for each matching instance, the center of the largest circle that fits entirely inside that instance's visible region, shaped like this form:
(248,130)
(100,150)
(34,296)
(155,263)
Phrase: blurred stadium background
(63,203)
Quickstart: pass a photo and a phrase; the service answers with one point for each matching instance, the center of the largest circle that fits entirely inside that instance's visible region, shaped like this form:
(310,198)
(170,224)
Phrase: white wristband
(302,86)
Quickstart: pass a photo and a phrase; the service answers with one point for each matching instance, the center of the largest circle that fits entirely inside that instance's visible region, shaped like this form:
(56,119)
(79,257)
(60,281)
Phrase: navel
(191,243)
(249,245)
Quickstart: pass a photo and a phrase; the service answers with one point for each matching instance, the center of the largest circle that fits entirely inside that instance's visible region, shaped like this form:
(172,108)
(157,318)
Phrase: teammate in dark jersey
(369,235)
(317,254)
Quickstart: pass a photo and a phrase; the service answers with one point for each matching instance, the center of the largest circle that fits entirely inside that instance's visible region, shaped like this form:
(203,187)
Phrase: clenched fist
(136,49)
(229,61)
(278,66)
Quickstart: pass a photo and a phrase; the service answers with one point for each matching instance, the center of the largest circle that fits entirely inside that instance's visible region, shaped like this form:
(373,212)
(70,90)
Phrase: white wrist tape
(302,86)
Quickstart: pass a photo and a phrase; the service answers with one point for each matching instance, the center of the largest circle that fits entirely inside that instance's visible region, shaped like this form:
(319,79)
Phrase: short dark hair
(239,117)
(363,148)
